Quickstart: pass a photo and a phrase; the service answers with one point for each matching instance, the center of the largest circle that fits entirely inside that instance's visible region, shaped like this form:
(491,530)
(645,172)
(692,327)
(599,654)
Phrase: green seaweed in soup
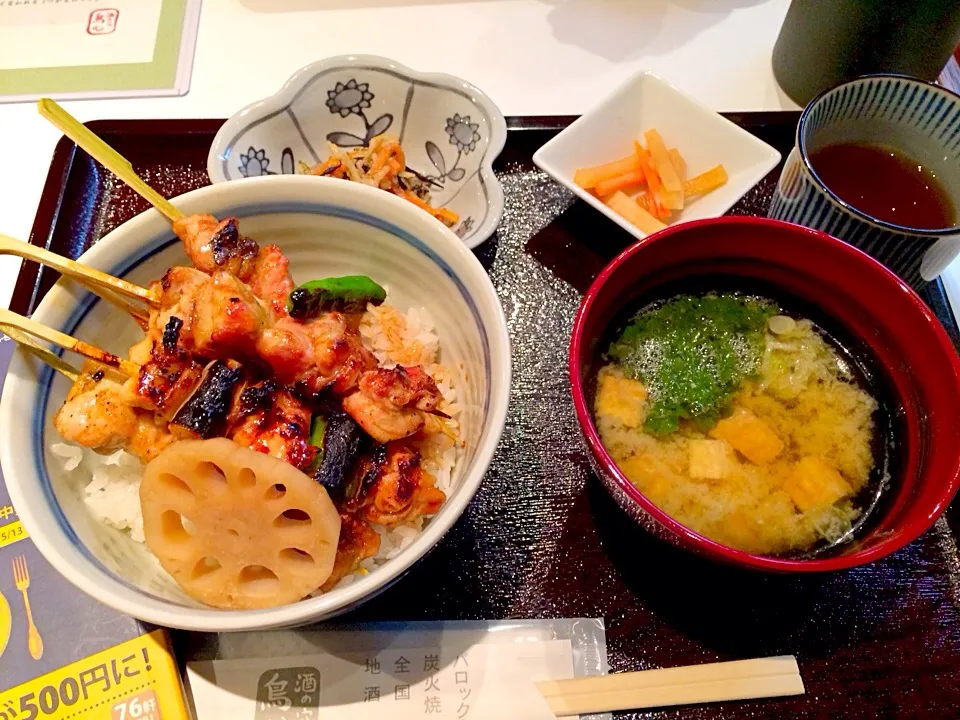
(693,353)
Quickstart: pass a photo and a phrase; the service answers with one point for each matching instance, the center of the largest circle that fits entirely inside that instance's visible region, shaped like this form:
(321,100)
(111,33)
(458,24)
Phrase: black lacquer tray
(542,538)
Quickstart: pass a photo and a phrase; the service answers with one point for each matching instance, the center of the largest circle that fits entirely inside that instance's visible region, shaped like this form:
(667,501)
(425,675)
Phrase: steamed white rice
(112,490)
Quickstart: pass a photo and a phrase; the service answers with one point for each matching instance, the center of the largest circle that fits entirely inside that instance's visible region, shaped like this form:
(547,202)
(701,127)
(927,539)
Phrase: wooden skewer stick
(34,328)
(105,155)
(42,353)
(106,286)
(139,314)
(712,682)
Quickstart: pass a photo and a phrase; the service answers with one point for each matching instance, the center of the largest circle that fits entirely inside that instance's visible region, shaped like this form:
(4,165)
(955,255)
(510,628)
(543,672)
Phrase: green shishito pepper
(318,428)
(351,293)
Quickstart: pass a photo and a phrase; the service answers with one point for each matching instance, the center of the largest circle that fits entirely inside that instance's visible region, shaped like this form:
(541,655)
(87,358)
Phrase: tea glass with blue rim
(918,119)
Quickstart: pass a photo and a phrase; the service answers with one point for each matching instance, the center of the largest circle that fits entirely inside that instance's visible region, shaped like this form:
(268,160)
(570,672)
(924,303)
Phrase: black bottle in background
(825,42)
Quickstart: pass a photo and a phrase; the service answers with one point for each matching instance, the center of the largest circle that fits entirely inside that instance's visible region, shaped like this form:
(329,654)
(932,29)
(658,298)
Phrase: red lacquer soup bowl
(907,348)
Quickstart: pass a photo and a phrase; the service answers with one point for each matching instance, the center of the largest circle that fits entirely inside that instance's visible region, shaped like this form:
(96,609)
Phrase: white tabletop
(533,57)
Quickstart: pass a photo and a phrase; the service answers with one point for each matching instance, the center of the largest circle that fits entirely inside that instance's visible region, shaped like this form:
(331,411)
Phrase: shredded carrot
(446,215)
(397,152)
(417,201)
(442,214)
(386,152)
(608,187)
(588,178)
(653,180)
(378,162)
(325,165)
(646,201)
(381,164)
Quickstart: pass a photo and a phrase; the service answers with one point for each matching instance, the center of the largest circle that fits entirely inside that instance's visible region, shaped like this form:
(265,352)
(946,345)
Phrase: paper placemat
(82,49)
(484,681)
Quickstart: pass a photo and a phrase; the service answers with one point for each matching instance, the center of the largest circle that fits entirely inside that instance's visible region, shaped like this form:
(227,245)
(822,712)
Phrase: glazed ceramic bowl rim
(52,536)
(229,131)
(805,156)
(712,547)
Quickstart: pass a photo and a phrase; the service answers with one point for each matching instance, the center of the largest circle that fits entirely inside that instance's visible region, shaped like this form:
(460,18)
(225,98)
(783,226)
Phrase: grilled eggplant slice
(204,415)
(341,443)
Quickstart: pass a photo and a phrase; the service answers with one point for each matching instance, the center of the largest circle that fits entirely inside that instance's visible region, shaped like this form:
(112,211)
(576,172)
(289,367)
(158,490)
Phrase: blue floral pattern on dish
(353,98)
(465,136)
(463,133)
(255,163)
(464,228)
(349,97)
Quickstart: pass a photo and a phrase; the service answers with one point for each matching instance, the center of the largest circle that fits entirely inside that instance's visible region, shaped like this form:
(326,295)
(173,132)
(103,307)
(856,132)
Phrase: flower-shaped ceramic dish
(704,138)
(450,131)
(325,227)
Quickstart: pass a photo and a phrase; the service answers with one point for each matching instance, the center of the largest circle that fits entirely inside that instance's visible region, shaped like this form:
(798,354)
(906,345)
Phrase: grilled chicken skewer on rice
(222,356)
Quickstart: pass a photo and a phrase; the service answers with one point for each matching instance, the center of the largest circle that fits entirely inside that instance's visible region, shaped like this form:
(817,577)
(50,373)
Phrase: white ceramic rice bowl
(326,228)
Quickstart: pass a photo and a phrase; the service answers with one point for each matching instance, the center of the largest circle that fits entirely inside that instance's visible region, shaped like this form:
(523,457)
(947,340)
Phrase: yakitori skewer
(105,155)
(32,327)
(40,352)
(117,291)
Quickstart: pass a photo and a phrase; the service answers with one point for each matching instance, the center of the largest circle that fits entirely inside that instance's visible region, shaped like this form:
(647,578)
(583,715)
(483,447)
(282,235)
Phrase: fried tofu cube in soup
(710,459)
(621,398)
(750,436)
(814,482)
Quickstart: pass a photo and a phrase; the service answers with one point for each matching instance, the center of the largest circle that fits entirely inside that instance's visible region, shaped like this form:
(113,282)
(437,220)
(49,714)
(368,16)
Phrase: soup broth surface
(742,423)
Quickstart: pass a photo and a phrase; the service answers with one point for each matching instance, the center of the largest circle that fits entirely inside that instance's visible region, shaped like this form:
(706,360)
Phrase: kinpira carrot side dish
(293,435)
(382,164)
(649,185)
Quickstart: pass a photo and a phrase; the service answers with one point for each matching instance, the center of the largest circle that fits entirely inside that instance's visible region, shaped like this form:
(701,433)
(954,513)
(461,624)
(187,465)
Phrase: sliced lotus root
(236,528)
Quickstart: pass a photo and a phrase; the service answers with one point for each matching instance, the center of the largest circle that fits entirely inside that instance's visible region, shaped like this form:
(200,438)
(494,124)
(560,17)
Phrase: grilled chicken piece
(401,490)
(275,422)
(270,280)
(150,437)
(214,245)
(357,543)
(218,315)
(176,292)
(228,319)
(96,413)
(390,402)
(324,352)
(168,374)
(163,385)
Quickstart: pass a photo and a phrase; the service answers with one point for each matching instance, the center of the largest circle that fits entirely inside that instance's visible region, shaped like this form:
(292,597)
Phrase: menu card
(81,49)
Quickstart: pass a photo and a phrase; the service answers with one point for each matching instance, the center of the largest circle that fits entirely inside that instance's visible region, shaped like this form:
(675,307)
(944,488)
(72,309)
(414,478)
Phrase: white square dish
(704,138)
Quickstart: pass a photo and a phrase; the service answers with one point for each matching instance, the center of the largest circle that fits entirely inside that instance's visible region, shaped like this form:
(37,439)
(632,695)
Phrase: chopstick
(110,288)
(67,342)
(40,352)
(105,155)
(712,682)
